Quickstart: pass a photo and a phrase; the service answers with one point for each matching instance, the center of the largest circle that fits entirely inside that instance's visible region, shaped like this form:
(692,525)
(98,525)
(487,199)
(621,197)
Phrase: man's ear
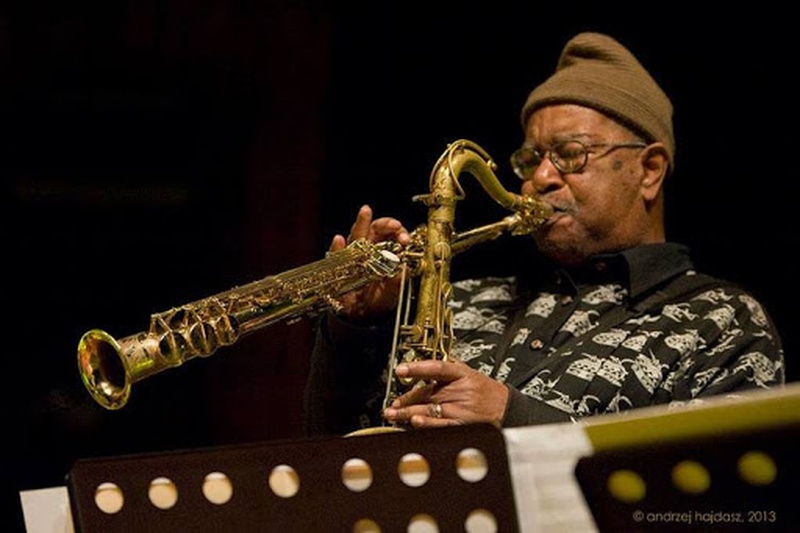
(656,165)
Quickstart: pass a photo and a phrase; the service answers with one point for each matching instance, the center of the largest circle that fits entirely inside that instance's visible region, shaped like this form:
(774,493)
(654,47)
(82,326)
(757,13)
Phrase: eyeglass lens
(569,156)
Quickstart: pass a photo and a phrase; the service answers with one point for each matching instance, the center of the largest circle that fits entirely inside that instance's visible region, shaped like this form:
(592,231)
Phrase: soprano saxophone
(109,367)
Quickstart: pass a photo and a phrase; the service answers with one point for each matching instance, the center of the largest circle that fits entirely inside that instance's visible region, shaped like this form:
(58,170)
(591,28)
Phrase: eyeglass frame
(550,152)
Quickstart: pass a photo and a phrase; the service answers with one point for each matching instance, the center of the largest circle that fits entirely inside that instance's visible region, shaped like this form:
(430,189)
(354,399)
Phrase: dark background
(154,153)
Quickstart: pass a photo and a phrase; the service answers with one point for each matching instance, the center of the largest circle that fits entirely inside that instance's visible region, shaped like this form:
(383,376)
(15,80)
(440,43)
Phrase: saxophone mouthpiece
(543,210)
(532,213)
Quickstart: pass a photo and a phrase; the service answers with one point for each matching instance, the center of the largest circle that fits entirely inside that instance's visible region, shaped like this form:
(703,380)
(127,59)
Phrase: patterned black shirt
(628,330)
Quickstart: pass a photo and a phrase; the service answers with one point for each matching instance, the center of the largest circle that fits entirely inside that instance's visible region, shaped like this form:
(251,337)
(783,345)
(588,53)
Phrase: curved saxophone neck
(466,156)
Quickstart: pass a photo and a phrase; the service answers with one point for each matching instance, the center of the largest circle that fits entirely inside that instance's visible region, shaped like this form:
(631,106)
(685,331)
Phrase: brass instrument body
(430,336)
(108,367)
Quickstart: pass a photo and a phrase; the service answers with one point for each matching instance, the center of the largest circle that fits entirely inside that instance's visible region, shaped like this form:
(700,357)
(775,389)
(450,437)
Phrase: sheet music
(47,510)
(542,460)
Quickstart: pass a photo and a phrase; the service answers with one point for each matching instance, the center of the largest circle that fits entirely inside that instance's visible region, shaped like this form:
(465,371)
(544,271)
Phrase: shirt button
(566,300)
(537,344)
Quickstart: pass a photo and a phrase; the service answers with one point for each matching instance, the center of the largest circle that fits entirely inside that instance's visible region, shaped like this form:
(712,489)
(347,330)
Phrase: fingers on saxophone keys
(388,229)
(361,226)
(419,415)
(337,243)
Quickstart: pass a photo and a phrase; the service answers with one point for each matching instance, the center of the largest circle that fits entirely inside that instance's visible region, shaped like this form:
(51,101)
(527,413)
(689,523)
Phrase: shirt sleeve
(346,384)
(522,410)
(740,349)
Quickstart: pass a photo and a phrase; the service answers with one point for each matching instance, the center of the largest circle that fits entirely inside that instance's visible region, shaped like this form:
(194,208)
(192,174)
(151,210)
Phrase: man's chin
(555,232)
(560,250)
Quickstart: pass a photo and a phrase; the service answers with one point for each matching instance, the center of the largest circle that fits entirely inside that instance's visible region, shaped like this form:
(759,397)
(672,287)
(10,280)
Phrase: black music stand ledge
(322,501)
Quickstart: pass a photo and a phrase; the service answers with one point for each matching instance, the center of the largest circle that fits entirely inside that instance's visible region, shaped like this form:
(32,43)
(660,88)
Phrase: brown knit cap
(596,71)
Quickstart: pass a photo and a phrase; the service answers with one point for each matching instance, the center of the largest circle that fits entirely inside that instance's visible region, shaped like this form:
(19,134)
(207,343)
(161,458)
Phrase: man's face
(599,208)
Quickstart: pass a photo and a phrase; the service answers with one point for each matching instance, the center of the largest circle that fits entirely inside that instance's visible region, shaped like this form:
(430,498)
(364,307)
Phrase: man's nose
(545,178)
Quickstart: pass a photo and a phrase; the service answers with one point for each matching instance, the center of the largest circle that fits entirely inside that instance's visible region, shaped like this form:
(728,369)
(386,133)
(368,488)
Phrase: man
(624,322)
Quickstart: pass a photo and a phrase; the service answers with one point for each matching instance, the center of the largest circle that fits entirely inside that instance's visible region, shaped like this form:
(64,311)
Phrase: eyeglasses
(567,156)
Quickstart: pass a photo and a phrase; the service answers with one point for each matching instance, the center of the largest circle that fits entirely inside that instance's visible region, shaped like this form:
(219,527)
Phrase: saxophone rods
(108,367)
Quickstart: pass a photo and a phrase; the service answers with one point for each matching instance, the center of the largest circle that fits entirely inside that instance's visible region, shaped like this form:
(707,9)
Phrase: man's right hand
(378,298)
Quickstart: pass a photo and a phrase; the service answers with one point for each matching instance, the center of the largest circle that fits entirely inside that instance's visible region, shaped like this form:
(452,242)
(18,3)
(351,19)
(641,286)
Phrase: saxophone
(430,334)
(109,367)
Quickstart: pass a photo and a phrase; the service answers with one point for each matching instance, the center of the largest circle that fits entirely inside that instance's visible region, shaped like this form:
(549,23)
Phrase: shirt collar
(638,269)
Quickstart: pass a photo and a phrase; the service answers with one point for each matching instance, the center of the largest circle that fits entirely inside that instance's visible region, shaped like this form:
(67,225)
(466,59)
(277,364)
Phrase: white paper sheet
(542,461)
(47,510)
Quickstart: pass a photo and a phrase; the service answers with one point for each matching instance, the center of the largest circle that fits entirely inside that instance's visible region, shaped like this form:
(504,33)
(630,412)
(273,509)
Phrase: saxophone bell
(103,369)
